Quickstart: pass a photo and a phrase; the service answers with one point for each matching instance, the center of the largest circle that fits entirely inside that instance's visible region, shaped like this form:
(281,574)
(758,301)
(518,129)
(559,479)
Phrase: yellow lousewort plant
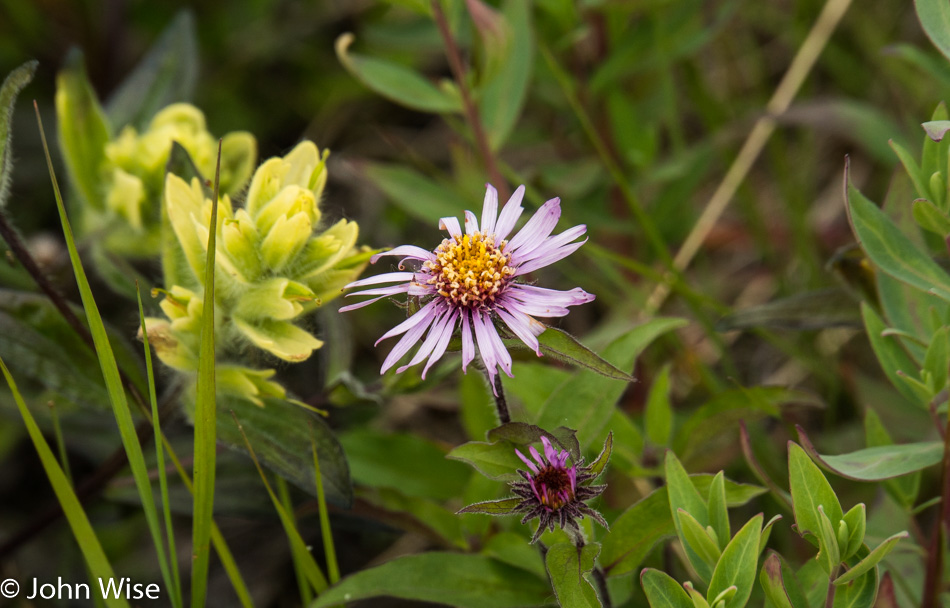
(273,265)
(133,171)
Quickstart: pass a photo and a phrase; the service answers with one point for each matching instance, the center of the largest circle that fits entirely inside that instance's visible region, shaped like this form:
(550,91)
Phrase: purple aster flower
(471,280)
(554,492)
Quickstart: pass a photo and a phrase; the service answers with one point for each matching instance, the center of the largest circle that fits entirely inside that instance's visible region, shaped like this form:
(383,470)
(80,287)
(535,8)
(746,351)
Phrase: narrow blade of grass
(78,521)
(333,570)
(60,443)
(175,590)
(306,593)
(110,373)
(302,555)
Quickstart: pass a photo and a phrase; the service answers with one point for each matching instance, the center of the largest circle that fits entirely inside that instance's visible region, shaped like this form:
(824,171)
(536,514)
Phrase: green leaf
(809,490)
(937,359)
(904,488)
(167,74)
(872,559)
(466,581)
(567,565)
(891,250)
(698,539)
(281,435)
(501,98)
(829,553)
(890,355)
(662,591)
(512,549)
(418,196)
(934,16)
(634,533)
(875,464)
(737,566)
(83,130)
(522,433)
(658,416)
(856,519)
(503,506)
(600,463)
(684,497)
(83,531)
(563,346)
(859,593)
(495,460)
(931,218)
(598,393)
(718,513)
(12,85)
(780,584)
(396,82)
(912,169)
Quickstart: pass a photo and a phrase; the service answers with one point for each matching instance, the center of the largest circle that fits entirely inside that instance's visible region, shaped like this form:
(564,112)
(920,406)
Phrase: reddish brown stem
(471,112)
(933,583)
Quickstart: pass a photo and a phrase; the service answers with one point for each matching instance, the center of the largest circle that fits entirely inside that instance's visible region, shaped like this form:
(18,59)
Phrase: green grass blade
(110,373)
(60,444)
(306,592)
(333,570)
(302,555)
(205,420)
(175,590)
(85,536)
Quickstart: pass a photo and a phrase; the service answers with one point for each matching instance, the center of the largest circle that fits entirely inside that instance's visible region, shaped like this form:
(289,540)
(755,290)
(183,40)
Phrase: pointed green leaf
(83,129)
(493,507)
(891,250)
(684,497)
(856,520)
(662,591)
(457,579)
(563,346)
(599,463)
(568,566)
(931,218)
(698,600)
(718,513)
(395,82)
(875,464)
(698,539)
(809,490)
(860,592)
(934,16)
(892,358)
(872,559)
(737,566)
(780,584)
(904,488)
(829,554)
(937,359)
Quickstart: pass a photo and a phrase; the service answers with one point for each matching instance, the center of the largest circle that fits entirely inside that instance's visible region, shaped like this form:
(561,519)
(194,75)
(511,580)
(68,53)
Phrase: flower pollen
(469,270)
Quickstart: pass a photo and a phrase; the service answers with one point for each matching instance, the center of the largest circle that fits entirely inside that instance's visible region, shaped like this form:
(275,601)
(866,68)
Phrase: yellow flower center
(470,270)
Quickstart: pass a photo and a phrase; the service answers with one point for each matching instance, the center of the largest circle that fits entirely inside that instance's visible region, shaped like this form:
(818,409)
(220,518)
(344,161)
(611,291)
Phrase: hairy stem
(471,112)
(600,580)
(933,583)
(501,404)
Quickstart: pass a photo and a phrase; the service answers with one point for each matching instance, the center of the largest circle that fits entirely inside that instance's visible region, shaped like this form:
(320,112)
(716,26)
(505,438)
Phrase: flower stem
(501,404)
(934,572)
(471,112)
(600,579)
(830,597)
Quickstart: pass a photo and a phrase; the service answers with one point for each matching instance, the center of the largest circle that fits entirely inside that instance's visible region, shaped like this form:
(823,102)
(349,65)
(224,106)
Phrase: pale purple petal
(423,314)
(442,344)
(537,457)
(531,465)
(468,344)
(509,215)
(388,277)
(543,295)
(471,222)
(522,326)
(392,289)
(530,252)
(418,288)
(405,343)
(489,209)
(539,227)
(433,338)
(504,358)
(486,348)
(550,258)
(360,304)
(549,452)
(532,308)
(409,251)
(452,225)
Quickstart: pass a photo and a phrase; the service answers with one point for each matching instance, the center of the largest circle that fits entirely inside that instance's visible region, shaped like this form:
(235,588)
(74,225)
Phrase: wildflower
(551,491)
(471,280)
